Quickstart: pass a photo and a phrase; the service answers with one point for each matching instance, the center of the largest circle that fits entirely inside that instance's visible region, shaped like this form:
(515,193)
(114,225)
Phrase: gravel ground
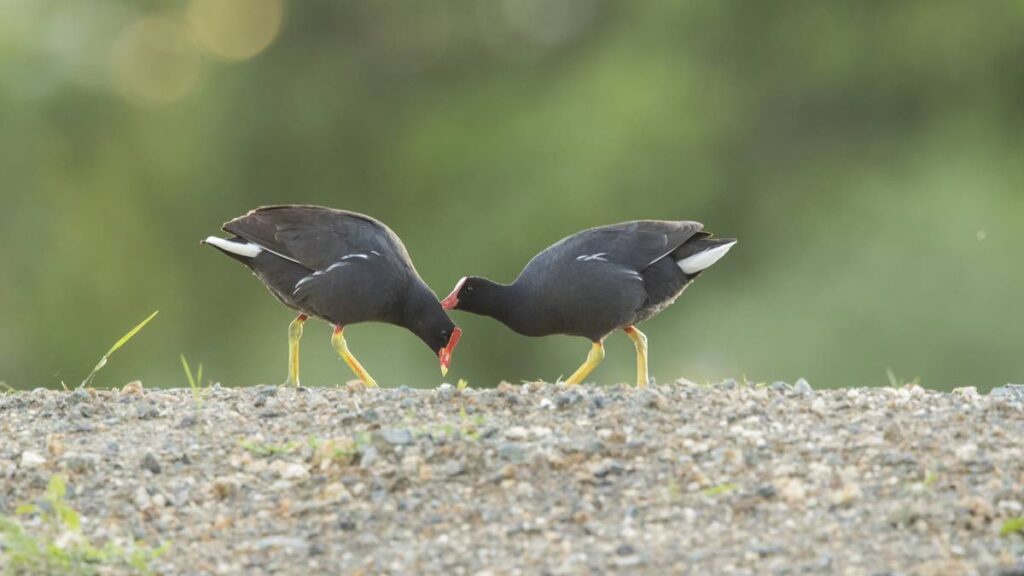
(531,479)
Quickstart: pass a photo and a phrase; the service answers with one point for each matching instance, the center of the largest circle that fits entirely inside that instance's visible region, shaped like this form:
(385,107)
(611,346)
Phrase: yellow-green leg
(338,341)
(593,359)
(640,341)
(294,335)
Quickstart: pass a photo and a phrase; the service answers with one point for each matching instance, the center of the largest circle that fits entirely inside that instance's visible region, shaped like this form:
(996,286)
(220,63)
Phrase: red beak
(445,355)
(451,302)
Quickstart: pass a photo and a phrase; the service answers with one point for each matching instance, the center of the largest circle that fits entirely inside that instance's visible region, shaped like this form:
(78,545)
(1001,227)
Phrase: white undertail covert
(702,260)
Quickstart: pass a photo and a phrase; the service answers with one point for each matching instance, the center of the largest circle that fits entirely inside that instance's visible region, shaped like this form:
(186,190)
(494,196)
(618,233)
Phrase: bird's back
(608,277)
(634,245)
(341,266)
(317,236)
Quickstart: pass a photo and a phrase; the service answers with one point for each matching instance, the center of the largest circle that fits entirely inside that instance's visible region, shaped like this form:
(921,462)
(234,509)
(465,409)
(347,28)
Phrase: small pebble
(396,437)
(149,462)
(516,433)
(512,451)
(31,459)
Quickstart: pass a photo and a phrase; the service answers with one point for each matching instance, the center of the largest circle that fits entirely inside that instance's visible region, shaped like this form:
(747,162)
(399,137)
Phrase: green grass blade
(1012,526)
(188,373)
(56,488)
(117,345)
(720,489)
(131,333)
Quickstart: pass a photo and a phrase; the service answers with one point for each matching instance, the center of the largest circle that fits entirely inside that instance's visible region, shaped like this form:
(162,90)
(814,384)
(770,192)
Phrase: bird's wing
(357,288)
(317,237)
(633,245)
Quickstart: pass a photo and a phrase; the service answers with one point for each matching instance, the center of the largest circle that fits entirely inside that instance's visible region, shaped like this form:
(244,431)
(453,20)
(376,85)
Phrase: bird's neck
(422,314)
(499,301)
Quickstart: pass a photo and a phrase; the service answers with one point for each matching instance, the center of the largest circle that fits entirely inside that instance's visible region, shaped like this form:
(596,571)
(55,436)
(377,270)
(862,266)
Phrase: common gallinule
(595,282)
(342,267)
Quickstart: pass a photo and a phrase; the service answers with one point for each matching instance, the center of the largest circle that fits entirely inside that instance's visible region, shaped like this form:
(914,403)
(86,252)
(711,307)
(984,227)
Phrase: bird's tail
(701,252)
(236,248)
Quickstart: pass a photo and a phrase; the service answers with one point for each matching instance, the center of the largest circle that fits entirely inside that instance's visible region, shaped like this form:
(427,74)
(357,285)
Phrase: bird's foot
(338,341)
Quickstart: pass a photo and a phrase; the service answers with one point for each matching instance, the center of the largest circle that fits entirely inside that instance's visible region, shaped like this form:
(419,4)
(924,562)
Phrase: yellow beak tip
(444,371)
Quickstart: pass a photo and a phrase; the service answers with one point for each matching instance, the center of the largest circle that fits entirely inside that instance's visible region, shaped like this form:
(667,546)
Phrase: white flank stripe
(701,260)
(319,273)
(303,281)
(247,250)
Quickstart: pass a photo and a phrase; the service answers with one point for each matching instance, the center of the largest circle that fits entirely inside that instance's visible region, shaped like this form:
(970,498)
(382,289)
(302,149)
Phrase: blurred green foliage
(867,155)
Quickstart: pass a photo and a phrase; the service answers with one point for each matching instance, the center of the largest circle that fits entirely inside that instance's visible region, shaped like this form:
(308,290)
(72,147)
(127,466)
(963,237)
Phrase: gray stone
(608,468)
(149,462)
(368,457)
(512,451)
(563,401)
(79,395)
(446,392)
(395,437)
(1008,392)
(453,468)
(648,399)
(81,463)
(291,543)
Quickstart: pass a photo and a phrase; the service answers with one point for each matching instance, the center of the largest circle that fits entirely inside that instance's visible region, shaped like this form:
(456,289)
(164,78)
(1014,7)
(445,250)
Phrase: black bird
(595,282)
(339,266)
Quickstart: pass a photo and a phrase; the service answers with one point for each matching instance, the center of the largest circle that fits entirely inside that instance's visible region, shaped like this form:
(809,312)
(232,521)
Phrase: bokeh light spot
(234,29)
(153,62)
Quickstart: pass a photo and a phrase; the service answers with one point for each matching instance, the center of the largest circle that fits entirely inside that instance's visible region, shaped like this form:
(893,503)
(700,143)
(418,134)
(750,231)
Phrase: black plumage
(597,281)
(342,267)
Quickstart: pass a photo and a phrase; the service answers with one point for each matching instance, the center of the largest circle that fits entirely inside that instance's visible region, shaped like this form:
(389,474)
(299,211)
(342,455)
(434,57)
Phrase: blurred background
(869,156)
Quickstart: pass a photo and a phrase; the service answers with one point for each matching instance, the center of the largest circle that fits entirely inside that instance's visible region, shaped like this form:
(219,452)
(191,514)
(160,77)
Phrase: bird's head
(484,297)
(424,317)
(465,296)
(444,345)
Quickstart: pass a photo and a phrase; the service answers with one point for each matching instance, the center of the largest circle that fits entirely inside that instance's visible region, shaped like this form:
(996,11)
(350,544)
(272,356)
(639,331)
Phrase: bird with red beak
(342,267)
(598,281)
